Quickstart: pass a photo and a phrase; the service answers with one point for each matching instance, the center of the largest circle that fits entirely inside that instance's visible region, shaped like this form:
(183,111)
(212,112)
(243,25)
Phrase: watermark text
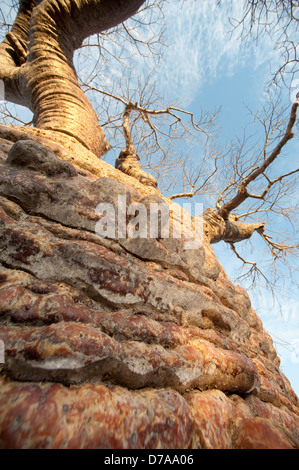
(1,352)
(2,91)
(151,220)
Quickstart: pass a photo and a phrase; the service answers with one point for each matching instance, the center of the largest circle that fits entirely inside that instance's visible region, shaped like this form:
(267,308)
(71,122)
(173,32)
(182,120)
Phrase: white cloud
(201,46)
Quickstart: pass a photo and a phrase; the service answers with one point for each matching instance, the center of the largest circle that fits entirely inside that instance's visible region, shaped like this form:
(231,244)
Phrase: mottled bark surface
(121,343)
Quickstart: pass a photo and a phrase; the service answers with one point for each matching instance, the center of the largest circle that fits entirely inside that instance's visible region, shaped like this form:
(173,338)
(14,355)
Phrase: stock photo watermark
(295,352)
(150,220)
(294,91)
(2,91)
(2,348)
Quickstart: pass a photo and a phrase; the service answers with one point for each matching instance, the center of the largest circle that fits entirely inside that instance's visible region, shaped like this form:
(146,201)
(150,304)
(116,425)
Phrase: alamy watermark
(1,352)
(2,91)
(151,220)
(294,91)
(295,351)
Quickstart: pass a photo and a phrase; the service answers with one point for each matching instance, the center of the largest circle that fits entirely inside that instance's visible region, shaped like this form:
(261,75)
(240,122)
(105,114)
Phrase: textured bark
(229,230)
(121,343)
(45,79)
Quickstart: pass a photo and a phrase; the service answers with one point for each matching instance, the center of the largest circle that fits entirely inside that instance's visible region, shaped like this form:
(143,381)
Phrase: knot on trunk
(128,163)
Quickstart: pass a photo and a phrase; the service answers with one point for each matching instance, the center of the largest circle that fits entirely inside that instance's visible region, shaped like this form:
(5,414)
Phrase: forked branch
(224,209)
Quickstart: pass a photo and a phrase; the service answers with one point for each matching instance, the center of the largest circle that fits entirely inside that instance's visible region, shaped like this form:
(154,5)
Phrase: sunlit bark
(37,62)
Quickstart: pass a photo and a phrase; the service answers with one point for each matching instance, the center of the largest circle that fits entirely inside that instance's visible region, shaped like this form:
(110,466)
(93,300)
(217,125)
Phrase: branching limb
(279,20)
(195,188)
(130,149)
(253,270)
(156,127)
(242,193)
(128,160)
(229,230)
(278,249)
(201,126)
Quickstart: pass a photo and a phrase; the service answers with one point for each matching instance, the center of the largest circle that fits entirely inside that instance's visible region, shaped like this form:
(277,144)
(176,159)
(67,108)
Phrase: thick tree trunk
(47,81)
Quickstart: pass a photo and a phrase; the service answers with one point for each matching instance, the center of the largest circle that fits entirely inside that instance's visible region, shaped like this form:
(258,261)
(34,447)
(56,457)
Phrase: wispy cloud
(202,46)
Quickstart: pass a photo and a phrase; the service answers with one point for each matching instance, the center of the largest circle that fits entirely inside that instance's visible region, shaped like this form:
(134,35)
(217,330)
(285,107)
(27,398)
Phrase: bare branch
(127,133)
(242,193)
(279,20)
(170,110)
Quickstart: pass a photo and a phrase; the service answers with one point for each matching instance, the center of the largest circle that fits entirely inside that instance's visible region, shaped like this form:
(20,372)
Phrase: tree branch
(242,193)
(170,110)
(127,133)
(254,269)
(229,230)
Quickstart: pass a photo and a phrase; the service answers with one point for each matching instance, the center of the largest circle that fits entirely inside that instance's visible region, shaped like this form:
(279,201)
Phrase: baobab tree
(38,72)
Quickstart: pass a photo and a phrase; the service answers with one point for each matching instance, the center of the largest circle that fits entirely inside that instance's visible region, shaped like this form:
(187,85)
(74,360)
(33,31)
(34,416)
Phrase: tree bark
(46,80)
(128,160)
(229,230)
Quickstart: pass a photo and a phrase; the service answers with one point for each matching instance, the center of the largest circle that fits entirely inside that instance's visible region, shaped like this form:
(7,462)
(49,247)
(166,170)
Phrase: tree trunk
(47,82)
